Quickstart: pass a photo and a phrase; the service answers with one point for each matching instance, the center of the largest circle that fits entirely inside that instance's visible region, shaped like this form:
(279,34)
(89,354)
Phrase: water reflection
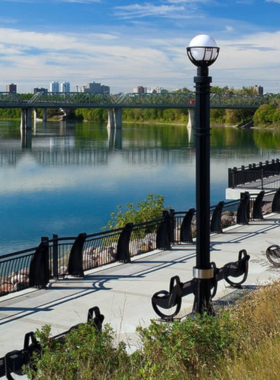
(26,138)
(71,176)
(114,138)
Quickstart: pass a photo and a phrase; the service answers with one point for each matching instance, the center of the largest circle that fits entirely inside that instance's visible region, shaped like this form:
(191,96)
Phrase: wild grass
(241,342)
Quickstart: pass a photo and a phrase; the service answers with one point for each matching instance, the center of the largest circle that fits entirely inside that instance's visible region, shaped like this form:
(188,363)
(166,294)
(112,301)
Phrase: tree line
(266,115)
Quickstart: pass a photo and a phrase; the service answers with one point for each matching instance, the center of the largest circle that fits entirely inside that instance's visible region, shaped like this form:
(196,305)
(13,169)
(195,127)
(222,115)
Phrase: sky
(128,43)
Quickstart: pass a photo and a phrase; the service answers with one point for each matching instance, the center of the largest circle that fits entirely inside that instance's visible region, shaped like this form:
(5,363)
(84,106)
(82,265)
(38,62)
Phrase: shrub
(84,354)
(264,114)
(145,210)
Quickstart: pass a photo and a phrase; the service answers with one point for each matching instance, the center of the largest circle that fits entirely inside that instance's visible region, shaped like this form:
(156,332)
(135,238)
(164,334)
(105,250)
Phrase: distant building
(37,89)
(12,88)
(105,89)
(145,90)
(155,90)
(65,87)
(96,88)
(140,90)
(258,89)
(54,86)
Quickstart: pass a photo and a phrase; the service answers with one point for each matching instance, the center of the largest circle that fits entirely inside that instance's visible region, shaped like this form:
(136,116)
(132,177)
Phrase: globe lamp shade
(203,50)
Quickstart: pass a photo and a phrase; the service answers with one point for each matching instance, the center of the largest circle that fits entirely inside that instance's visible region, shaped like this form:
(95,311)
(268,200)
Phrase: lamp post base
(203,303)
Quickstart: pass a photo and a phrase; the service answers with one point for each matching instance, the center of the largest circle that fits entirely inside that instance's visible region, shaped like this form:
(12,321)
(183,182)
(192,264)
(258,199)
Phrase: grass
(241,342)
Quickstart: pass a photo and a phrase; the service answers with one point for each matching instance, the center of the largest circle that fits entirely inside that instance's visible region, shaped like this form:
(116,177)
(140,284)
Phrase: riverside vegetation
(240,342)
(266,115)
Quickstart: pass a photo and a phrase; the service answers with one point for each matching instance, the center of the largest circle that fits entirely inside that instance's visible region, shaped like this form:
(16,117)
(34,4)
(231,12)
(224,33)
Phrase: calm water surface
(69,177)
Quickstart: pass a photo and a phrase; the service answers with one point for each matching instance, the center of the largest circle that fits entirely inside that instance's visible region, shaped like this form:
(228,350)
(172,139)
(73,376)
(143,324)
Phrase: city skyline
(128,44)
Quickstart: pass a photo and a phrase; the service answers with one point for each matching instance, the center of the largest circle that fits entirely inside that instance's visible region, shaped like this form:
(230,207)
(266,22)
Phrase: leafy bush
(264,114)
(84,354)
(145,210)
(171,351)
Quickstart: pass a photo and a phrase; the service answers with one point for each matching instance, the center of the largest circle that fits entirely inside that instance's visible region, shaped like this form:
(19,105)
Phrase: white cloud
(79,1)
(229,28)
(124,57)
(54,1)
(139,11)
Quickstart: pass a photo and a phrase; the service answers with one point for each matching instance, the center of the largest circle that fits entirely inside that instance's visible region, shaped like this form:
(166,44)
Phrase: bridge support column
(26,118)
(44,118)
(114,118)
(45,114)
(191,122)
(66,113)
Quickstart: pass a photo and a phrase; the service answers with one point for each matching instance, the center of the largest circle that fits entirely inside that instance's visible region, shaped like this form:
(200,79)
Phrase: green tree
(264,114)
(276,116)
(237,116)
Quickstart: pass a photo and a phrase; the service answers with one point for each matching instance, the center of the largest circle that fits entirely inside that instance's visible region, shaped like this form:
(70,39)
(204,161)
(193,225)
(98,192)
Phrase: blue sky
(127,43)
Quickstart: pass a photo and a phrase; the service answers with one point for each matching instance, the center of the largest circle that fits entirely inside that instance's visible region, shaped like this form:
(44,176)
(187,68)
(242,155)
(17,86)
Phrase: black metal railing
(262,176)
(57,257)
(15,270)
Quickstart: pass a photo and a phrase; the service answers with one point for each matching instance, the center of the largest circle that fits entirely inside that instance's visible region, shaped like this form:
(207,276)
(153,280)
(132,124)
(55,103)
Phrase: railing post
(276,202)
(216,225)
(55,256)
(262,179)
(186,227)
(243,209)
(162,239)
(231,177)
(257,207)
(123,244)
(75,264)
(39,266)
(277,164)
(171,226)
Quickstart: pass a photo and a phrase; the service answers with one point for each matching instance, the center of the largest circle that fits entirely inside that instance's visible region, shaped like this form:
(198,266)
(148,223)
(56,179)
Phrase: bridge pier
(191,122)
(114,118)
(45,114)
(26,118)
(45,117)
(66,113)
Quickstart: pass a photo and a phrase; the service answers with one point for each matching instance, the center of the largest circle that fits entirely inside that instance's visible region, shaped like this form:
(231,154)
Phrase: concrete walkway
(123,291)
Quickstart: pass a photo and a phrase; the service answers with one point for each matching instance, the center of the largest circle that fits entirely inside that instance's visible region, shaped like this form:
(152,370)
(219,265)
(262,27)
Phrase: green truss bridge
(116,103)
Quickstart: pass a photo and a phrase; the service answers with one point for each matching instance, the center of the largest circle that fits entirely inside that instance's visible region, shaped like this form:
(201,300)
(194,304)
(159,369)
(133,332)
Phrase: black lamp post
(203,52)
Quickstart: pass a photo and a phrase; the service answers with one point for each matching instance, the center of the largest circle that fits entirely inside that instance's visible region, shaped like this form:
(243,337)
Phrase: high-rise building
(54,86)
(65,87)
(12,88)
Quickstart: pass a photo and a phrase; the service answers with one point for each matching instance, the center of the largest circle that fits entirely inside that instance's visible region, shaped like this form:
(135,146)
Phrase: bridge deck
(129,100)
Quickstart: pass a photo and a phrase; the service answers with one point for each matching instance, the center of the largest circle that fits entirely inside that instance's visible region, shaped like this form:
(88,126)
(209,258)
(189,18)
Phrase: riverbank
(123,294)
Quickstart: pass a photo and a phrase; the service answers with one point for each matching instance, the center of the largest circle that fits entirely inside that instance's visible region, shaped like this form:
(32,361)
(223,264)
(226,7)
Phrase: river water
(66,178)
